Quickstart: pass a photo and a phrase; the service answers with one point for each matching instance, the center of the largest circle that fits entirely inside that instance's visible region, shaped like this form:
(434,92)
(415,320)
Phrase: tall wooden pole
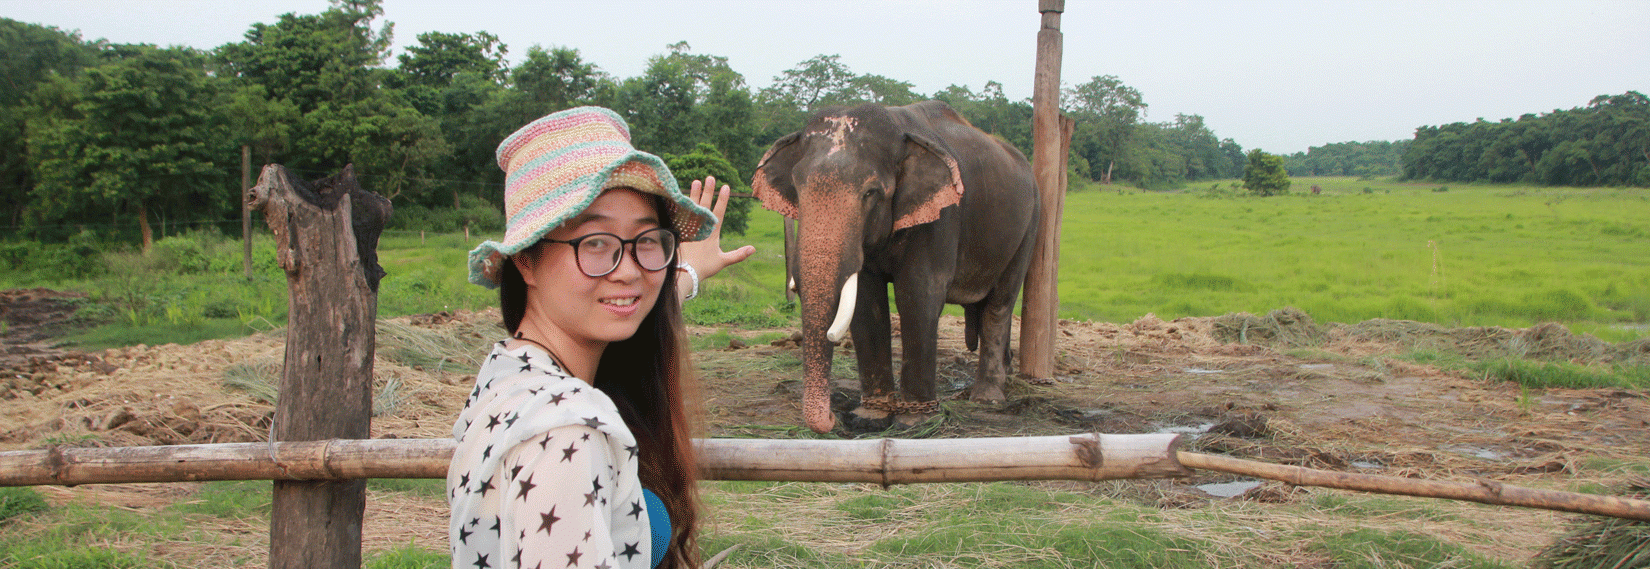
(1051,133)
(326,237)
(246,209)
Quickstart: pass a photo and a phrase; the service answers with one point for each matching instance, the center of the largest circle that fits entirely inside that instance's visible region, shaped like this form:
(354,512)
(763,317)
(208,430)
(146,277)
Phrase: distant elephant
(914,196)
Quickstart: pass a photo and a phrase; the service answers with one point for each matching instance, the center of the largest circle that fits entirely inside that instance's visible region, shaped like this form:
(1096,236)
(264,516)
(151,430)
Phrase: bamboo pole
(881,461)
(1483,491)
(878,461)
(910,461)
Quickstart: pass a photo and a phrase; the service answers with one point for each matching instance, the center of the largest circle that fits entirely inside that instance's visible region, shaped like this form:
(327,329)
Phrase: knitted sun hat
(555,166)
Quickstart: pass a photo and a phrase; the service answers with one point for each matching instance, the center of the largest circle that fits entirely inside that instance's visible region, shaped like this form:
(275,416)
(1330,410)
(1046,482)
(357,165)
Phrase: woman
(574,449)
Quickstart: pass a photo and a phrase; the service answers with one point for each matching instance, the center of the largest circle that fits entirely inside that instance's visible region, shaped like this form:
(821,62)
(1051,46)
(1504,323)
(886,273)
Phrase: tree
(1605,143)
(991,111)
(137,139)
(257,121)
(684,99)
(1265,174)
(815,83)
(706,160)
(555,79)
(1106,111)
(439,57)
(312,59)
(391,144)
(34,54)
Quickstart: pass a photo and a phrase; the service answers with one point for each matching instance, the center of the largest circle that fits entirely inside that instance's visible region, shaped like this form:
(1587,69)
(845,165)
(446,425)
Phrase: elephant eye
(871,192)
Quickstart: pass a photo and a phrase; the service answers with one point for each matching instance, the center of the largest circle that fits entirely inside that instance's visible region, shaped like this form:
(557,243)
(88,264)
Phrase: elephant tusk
(844,311)
(790,284)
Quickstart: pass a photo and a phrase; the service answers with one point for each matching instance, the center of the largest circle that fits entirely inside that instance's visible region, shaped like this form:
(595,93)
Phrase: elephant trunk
(829,263)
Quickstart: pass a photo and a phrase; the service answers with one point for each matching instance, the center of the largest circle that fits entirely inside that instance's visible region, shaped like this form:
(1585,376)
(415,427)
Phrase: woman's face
(590,309)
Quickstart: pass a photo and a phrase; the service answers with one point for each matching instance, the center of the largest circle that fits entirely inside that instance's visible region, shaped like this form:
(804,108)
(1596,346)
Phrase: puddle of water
(1229,489)
(1365,464)
(1186,429)
(1318,367)
(1200,370)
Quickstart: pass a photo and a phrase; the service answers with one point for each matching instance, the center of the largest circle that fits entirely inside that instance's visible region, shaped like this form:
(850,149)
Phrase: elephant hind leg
(971,325)
(996,321)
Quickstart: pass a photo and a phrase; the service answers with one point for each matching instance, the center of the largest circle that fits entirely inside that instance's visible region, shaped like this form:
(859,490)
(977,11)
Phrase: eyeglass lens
(599,252)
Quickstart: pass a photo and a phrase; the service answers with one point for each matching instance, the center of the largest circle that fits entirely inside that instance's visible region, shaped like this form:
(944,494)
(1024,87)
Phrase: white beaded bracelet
(694,275)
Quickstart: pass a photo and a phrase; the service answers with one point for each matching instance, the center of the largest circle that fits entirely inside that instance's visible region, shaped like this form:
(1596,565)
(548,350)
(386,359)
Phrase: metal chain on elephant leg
(897,406)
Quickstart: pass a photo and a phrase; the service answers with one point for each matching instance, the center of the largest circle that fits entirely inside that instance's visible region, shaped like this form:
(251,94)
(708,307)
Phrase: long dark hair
(645,376)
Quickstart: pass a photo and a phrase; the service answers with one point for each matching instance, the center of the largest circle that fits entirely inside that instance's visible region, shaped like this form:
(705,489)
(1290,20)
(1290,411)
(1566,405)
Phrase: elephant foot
(870,414)
(987,394)
(908,420)
(863,420)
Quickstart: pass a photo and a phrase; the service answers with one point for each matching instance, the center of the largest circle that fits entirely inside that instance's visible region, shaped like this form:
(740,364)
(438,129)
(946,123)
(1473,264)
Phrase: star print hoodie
(545,473)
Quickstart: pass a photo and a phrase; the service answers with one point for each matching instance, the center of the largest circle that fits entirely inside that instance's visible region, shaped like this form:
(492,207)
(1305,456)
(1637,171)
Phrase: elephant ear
(772,181)
(930,181)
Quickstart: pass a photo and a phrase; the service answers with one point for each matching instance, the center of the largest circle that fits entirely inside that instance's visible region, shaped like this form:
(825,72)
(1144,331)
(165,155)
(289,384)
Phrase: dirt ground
(1273,387)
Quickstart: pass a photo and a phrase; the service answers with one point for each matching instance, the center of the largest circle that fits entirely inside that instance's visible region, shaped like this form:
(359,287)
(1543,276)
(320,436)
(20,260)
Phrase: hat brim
(637,170)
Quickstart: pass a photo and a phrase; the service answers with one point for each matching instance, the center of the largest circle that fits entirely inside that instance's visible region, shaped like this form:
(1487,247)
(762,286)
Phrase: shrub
(186,254)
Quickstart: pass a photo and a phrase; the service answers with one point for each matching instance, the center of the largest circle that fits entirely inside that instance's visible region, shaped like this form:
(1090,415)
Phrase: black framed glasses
(598,254)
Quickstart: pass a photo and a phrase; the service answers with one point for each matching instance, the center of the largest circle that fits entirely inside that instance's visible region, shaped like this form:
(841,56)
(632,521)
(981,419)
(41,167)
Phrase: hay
(1602,542)
(1282,327)
(1547,341)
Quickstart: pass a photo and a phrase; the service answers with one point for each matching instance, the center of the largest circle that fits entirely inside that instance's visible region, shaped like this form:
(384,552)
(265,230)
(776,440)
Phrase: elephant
(912,196)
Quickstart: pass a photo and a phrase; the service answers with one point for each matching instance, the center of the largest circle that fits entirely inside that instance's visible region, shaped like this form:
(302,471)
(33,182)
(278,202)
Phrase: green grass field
(1481,255)
(1465,256)
(1490,255)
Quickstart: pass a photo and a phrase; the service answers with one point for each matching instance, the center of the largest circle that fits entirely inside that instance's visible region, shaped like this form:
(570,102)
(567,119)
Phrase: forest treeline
(1371,159)
(1606,143)
(115,138)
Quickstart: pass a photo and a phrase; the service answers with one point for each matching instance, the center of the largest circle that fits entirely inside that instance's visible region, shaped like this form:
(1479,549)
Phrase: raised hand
(706,256)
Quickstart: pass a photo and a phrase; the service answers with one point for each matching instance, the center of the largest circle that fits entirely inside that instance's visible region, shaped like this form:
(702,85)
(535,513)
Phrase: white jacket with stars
(545,473)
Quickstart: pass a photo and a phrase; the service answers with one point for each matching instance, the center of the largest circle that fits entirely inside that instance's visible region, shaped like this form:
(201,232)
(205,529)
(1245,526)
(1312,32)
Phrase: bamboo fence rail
(1088,457)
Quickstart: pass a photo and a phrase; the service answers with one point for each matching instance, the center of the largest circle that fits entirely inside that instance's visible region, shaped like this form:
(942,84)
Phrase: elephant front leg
(919,336)
(873,346)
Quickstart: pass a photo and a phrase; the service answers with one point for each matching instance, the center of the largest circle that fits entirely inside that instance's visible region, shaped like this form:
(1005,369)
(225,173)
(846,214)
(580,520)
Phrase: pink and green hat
(555,166)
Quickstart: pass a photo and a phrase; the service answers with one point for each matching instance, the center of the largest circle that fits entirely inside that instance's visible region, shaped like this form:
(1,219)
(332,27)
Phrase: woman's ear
(524,261)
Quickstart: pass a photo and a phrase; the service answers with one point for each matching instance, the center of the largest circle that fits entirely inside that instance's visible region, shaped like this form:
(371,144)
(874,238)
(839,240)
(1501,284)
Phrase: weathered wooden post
(1051,134)
(246,210)
(326,236)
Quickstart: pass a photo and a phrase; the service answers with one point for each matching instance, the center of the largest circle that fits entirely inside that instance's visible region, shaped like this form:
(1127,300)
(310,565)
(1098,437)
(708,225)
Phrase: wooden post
(1051,134)
(326,236)
(246,209)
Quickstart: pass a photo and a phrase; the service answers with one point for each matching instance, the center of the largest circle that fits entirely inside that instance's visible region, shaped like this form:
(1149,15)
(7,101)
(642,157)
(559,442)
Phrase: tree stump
(326,238)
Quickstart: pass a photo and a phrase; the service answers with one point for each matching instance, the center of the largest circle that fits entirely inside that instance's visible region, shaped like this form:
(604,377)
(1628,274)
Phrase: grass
(1563,375)
(1506,256)
(1475,255)
(1486,255)
(789,524)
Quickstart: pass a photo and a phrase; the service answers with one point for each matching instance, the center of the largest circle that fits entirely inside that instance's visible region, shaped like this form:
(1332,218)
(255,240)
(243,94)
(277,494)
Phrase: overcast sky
(1272,74)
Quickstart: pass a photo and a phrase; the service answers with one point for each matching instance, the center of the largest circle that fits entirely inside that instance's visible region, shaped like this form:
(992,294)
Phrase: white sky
(1278,75)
